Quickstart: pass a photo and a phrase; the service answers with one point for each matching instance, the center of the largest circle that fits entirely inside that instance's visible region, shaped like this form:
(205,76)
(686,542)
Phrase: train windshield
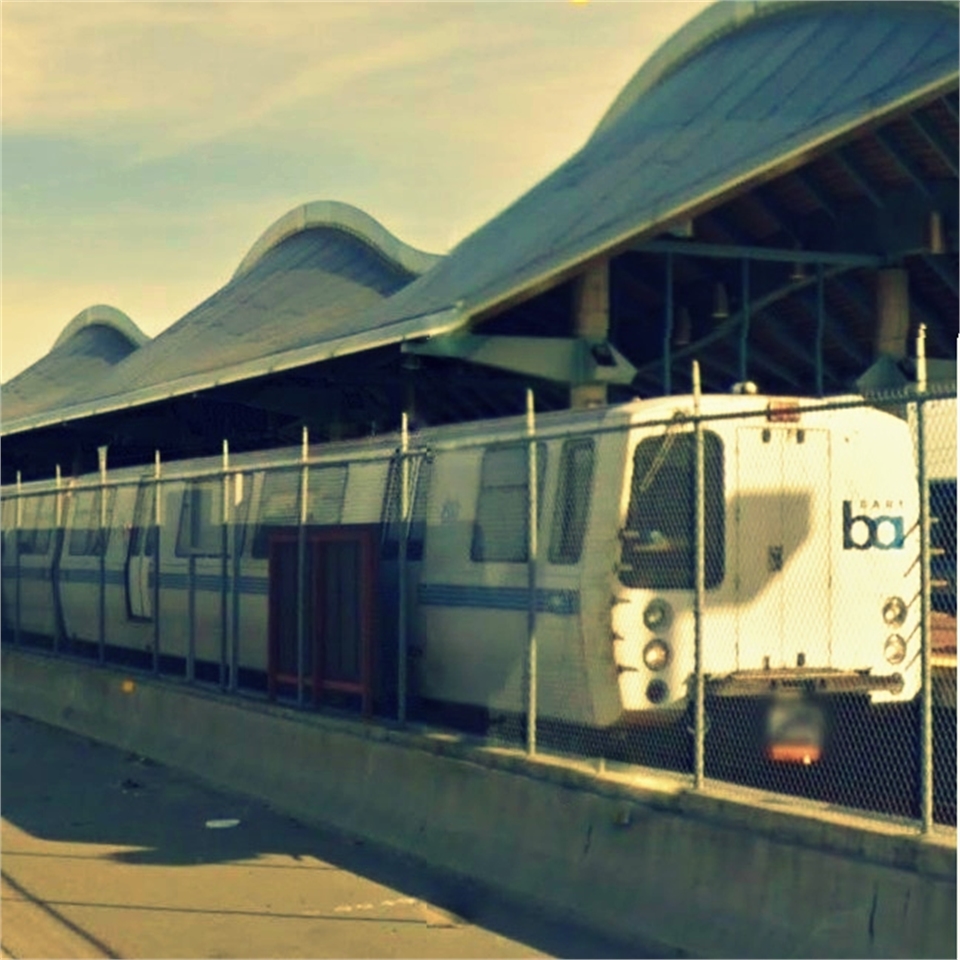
(657,540)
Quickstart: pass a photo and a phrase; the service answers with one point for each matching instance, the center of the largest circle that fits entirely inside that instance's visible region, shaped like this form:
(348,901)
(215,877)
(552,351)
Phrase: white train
(811,575)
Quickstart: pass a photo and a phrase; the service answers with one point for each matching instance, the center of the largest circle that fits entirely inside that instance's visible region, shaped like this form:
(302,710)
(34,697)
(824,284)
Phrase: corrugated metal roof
(347,219)
(93,342)
(307,287)
(304,280)
(744,92)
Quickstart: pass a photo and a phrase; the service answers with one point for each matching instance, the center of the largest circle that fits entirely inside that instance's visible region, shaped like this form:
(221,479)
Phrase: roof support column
(893,314)
(591,320)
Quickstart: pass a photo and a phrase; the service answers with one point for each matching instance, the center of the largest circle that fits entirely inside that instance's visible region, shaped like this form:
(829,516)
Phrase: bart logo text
(862,532)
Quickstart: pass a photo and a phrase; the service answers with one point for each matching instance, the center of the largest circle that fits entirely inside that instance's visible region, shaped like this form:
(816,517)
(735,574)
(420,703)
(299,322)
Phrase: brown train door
(338,613)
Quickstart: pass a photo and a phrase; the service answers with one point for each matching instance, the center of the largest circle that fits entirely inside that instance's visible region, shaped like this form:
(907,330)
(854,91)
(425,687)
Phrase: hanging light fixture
(721,305)
(682,328)
(935,233)
(798,273)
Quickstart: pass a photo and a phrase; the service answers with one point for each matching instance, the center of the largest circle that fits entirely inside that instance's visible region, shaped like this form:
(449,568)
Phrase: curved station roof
(745,191)
(91,344)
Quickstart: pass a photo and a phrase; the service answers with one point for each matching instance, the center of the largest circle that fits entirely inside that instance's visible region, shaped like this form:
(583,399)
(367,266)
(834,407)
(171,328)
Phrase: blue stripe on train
(112,577)
(564,602)
(204,582)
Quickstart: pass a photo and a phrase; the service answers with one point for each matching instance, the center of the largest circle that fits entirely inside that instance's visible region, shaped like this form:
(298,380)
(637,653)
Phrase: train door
(338,612)
(141,556)
(783,548)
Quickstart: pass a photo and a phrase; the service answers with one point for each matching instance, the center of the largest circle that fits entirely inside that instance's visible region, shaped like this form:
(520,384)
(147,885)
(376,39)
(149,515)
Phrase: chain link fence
(762,592)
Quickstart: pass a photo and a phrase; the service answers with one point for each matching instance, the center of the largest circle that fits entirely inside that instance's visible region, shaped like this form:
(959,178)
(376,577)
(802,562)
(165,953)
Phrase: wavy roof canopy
(91,344)
(743,93)
(304,280)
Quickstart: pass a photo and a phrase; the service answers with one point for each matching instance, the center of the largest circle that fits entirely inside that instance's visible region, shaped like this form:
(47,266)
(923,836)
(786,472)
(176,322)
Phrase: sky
(146,146)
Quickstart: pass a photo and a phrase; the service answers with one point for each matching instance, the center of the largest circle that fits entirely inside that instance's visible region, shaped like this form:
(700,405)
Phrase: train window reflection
(418,477)
(201,520)
(89,524)
(37,520)
(280,501)
(500,531)
(657,541)
(573,501)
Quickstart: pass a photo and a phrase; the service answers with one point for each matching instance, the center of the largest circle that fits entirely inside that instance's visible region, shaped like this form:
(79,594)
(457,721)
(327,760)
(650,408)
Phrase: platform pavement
(725,872)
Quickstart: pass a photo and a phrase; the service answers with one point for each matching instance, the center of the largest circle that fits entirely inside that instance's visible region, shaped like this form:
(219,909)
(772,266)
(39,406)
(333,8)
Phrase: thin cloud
(168,136)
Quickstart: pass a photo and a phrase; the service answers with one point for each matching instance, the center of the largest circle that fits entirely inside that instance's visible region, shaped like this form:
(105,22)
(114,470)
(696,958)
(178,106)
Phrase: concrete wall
(685,873)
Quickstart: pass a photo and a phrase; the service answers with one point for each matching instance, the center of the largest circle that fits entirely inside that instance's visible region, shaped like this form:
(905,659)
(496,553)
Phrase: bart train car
(811,576)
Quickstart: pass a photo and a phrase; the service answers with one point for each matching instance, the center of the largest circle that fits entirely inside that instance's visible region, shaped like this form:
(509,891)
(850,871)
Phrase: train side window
(657,551)
(201,520)
(280,501)
(87,539)
(573,501)
(8,516)
(420,469)
(500,533)
(143,534)
(326,487)
(38,518)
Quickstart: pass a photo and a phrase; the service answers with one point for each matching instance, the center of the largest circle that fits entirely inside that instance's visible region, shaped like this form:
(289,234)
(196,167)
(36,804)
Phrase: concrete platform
(726,872)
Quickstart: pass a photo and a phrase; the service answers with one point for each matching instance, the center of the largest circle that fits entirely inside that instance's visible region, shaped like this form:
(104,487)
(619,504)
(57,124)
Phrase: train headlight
(657,615)
(894,612)
(895,649)
(656,655)
(657,691)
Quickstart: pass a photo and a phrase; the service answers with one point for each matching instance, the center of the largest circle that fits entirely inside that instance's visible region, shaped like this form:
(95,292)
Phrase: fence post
(17,537)
(190,491)
(821,326)
(532,580)
(698,584)
(224,562)
(57,551)
(926,640)
(667,324)
(402,537)
(101,550)
(235,598)
(302,568)
(745,322)
(157,520)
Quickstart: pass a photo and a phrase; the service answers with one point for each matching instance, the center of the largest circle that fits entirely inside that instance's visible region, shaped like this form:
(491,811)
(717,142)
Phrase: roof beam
(717,365)
(935,263)
(950,107)
(806,178)
(857,296)
(760,303)
(836,328)
(687,248)
(723,218)
(784,333)
(766,363)
(903,162)
(774,208)
(937,142)
(852,170)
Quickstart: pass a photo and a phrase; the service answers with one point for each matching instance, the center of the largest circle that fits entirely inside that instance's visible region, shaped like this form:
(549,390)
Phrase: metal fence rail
(728,594)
